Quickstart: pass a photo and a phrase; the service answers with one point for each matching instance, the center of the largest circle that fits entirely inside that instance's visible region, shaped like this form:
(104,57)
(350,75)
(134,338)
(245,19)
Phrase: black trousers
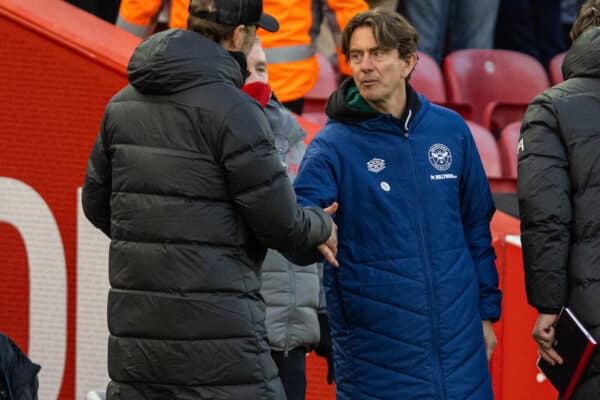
(292,371)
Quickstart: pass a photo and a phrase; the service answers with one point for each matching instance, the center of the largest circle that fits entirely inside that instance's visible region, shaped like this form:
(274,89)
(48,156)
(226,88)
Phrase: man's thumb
(332,208)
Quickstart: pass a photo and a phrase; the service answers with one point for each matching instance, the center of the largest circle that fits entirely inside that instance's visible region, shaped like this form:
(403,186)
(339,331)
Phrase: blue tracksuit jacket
(417,271)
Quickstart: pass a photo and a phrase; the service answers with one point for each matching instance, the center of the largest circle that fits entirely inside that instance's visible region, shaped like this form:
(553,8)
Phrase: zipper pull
(408,117)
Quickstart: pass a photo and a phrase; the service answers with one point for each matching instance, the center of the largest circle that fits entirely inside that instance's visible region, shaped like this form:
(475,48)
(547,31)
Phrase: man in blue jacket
(412,303)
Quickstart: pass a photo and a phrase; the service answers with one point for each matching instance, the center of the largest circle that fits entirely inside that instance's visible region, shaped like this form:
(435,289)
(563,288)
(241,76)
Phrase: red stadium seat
(427,79)
(507,144)
(315,100)
(488,149)
(555,68)
(497,84)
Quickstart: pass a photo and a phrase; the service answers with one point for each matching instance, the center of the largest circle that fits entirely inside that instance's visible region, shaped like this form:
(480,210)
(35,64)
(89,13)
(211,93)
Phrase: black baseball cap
(234,12)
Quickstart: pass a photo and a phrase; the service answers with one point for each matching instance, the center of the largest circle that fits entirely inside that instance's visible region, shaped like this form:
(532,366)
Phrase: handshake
(329,247)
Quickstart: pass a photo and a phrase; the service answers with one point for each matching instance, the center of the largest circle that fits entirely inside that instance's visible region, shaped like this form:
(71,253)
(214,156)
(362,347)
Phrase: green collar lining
(355,100)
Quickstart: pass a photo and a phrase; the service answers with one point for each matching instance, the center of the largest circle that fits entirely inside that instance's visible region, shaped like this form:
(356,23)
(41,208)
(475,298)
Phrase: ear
(236,39)
(411,61)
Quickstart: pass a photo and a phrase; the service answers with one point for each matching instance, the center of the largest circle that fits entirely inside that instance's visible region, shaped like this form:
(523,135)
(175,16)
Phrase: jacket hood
(583,58)
(341,108)
(176,59)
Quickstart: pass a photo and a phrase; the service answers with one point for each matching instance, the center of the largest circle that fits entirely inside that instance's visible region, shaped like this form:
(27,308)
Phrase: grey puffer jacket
(559,193)
(291,292)
(186,181)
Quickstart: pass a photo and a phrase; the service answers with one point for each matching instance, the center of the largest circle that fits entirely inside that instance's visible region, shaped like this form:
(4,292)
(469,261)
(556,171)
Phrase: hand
(329,247)
(489,336)
(324,349)
(543,334)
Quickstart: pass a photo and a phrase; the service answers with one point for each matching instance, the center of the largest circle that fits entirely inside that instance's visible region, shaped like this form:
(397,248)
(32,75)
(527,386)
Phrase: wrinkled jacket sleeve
(544,205)
(95,197)
(477,209)
(260,187)
(315,186)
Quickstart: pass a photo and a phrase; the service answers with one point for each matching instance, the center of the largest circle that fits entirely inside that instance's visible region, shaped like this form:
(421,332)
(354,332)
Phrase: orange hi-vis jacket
(291,61)
(292,64)
(139,16)
(344,11)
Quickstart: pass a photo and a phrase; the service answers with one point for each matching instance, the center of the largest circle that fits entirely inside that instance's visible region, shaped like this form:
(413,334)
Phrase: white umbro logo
(376,165)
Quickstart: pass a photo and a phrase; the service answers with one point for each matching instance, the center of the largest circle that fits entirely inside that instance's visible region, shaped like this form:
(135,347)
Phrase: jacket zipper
(435,341)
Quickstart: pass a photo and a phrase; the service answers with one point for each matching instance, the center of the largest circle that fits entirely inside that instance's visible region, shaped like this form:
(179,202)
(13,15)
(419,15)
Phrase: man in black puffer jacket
(185,180)
(558,190)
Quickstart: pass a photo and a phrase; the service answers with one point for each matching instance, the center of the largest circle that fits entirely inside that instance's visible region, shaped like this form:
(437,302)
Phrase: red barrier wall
(59,68)
(521,378)
(514,373)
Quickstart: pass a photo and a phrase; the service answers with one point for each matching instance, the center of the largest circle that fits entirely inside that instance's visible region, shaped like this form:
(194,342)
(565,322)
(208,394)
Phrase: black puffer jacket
(559,195)
(185,180)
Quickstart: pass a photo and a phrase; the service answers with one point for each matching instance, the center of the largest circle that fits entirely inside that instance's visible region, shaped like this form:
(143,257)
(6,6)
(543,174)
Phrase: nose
(366,64)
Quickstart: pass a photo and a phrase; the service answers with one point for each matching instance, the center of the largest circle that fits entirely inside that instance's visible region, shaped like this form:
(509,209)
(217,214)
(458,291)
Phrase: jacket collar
(347,105)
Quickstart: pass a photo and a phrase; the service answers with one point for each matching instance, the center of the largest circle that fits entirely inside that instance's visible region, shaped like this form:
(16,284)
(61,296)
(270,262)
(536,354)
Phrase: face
(380,75)
(257,64)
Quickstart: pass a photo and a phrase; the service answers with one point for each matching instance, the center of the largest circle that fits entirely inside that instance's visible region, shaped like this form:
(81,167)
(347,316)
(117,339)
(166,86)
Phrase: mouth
(368,83)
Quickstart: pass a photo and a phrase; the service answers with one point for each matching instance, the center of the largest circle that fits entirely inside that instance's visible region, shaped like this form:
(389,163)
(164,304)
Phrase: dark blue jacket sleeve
(315,186)
(477,209)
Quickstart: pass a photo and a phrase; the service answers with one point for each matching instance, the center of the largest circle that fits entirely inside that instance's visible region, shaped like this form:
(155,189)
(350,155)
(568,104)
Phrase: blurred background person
(532,27)
(292,63)
(141,17)
(335,14)
(291,60)
(448,25)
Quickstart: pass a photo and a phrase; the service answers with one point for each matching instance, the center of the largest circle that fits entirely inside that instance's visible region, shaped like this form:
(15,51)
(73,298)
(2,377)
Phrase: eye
(355,57)
(378,54)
